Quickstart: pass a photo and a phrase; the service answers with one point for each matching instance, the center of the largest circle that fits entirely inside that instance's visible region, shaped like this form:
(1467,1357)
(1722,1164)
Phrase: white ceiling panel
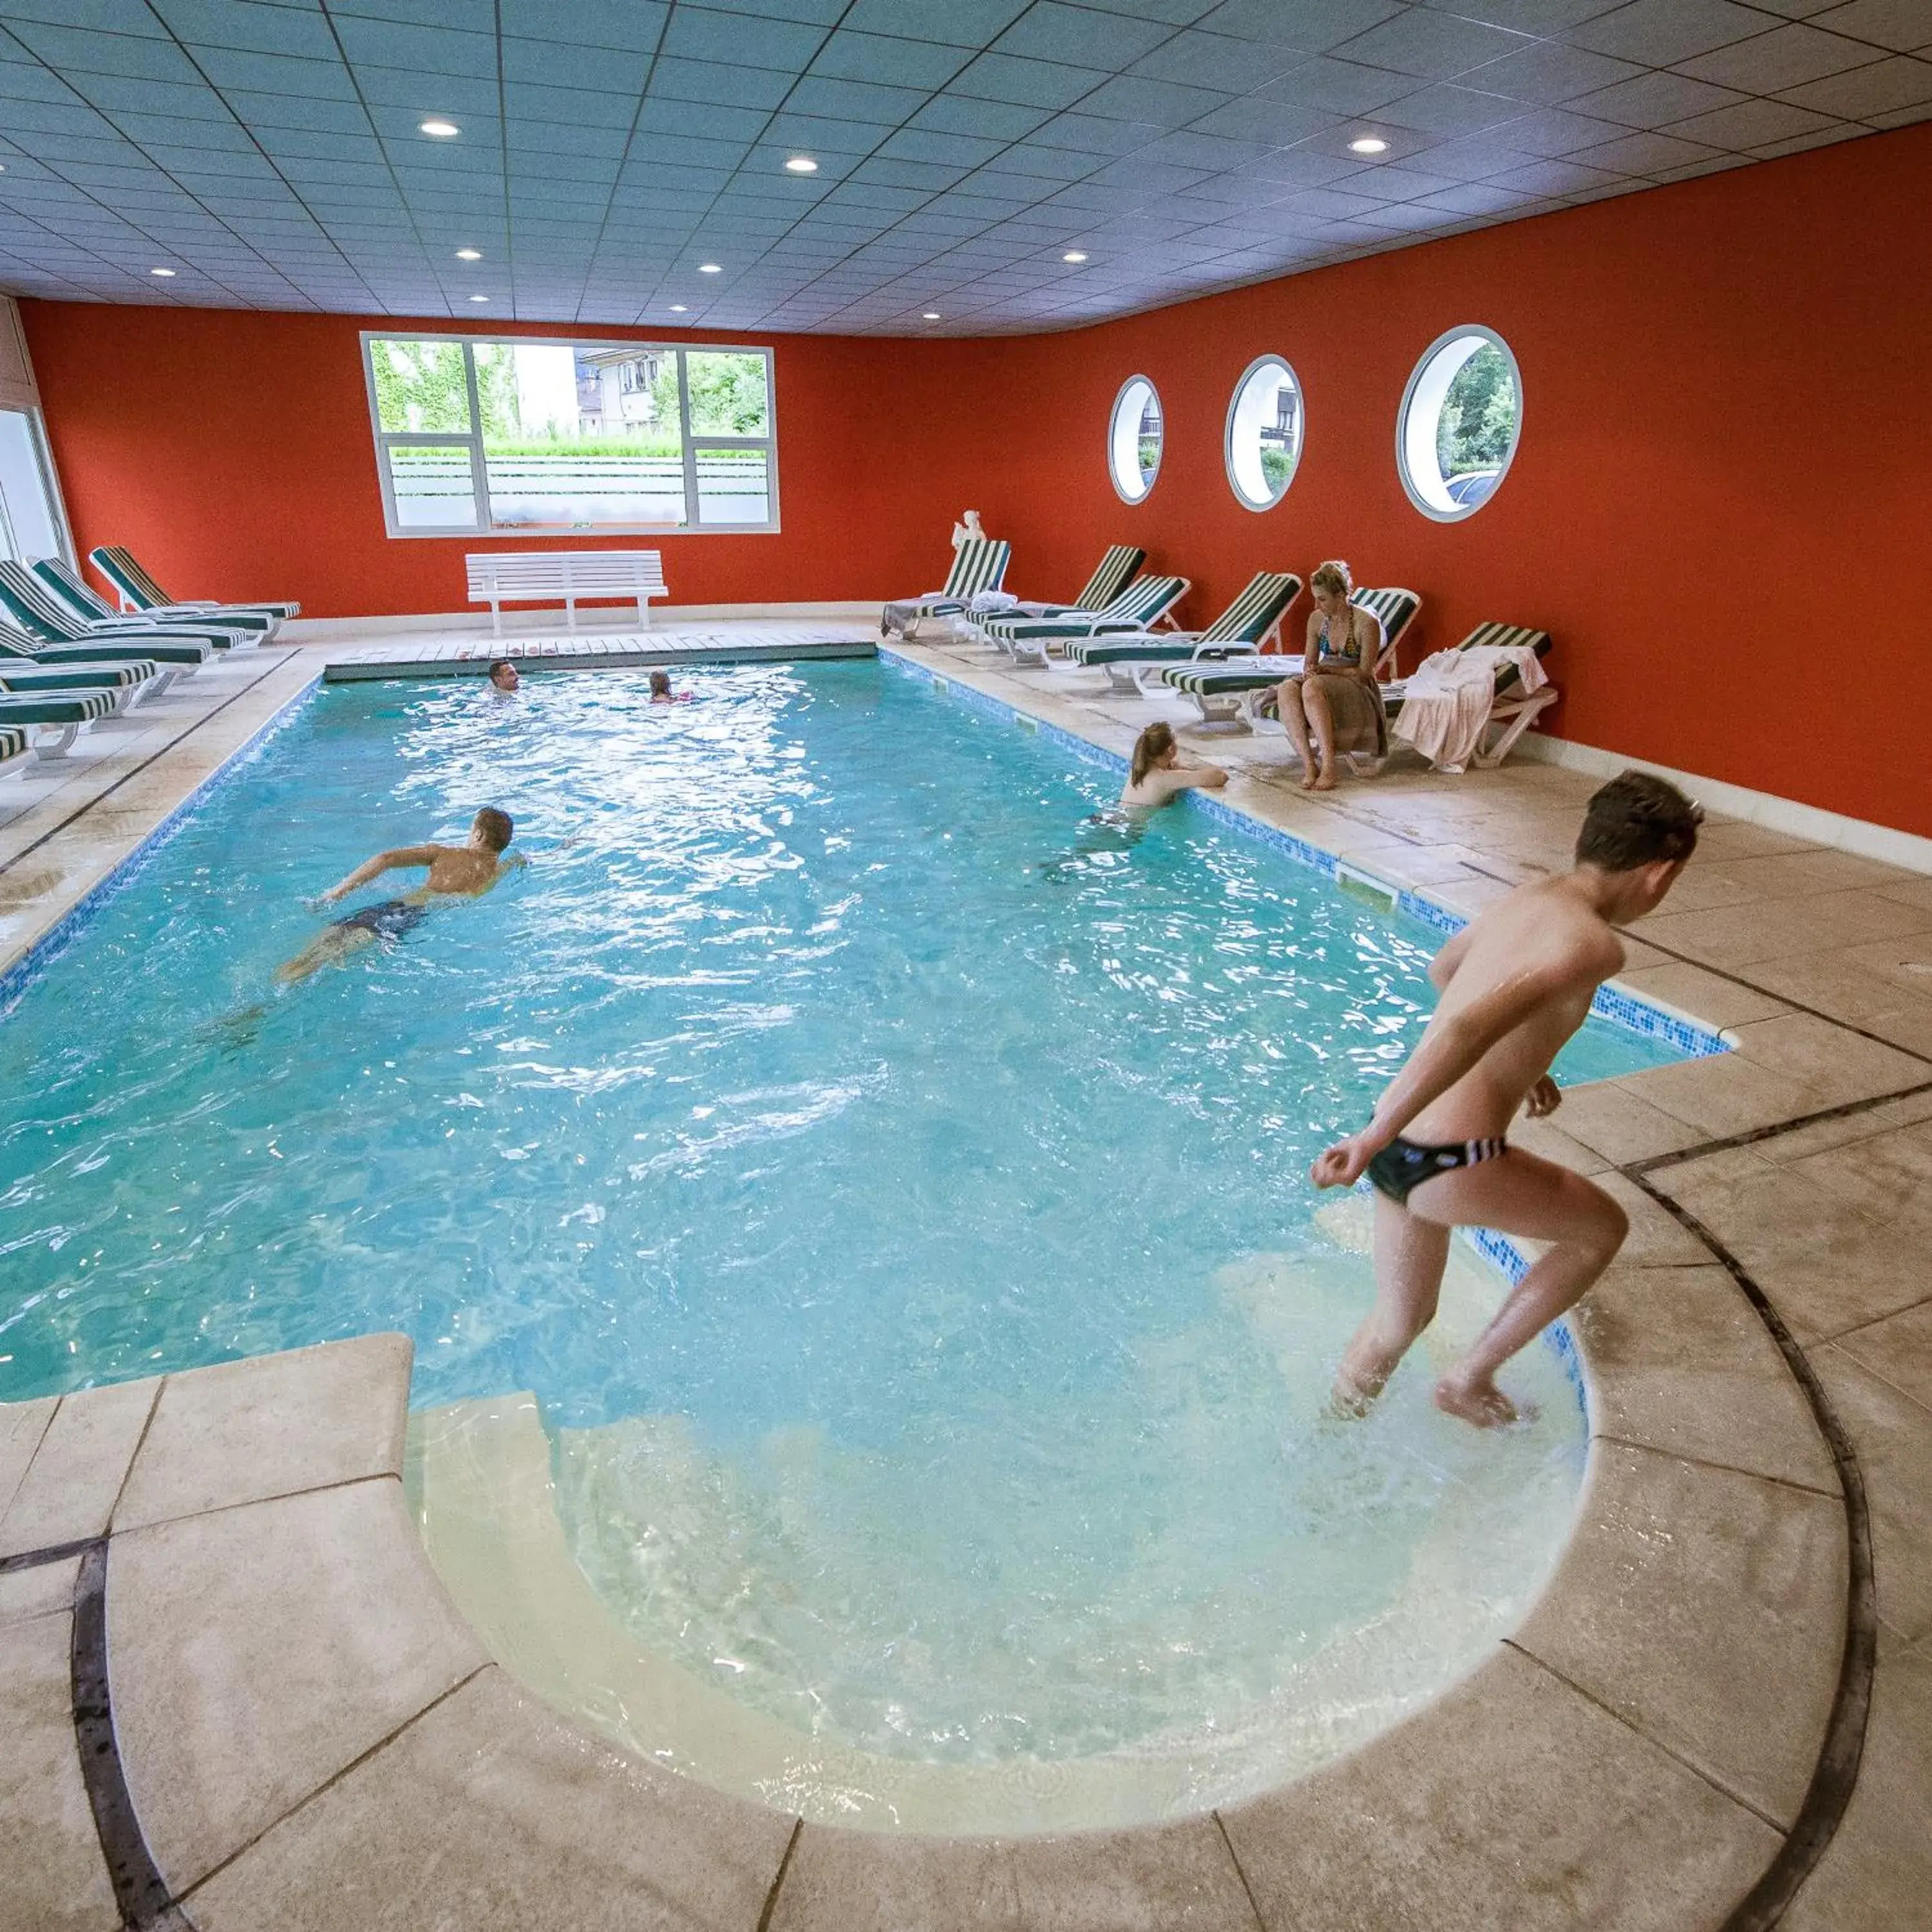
(271,152)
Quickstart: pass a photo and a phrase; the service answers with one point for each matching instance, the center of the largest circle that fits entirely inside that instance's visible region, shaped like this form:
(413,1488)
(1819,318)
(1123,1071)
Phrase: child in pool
(1159,773)
(662,692)
(1515,984)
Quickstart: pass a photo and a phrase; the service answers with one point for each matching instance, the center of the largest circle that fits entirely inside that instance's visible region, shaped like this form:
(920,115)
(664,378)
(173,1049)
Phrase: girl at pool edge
(1158,774)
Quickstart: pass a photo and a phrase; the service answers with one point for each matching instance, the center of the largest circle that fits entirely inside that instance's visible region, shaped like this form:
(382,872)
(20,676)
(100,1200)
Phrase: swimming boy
(454,871)
(1515,984)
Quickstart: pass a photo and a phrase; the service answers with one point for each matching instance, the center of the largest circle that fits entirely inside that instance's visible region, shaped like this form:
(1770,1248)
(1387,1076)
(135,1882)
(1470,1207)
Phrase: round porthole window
(1134,439)
(1461,415)
(1264,433)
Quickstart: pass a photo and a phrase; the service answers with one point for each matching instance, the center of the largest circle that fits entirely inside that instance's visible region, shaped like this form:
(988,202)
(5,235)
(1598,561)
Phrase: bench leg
(495,619)
(644,613)
(570,614)
(46,748)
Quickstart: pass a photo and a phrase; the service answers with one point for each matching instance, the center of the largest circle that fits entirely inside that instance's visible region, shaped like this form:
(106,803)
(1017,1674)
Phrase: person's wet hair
(497,669)
(660,684)
(1150,748)
(497,827)
(1638,819)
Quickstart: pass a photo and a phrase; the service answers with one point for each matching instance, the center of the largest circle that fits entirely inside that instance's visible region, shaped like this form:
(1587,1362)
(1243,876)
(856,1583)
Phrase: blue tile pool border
(26,970)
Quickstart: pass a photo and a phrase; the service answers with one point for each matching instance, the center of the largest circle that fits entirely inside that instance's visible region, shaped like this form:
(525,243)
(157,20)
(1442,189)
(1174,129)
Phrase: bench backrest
(1145,601)
(514,573)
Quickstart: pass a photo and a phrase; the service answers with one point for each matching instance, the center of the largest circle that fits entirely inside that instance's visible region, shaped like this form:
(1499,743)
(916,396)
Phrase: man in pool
(455,872)
(503,678)
(1515,984)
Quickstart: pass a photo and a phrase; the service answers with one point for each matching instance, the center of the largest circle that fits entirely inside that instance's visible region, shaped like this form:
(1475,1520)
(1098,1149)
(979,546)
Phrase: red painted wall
(1721,506)
(232,452)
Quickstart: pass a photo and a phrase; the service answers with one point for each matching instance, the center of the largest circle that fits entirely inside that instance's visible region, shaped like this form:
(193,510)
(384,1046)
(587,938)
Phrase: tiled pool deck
(224,1656)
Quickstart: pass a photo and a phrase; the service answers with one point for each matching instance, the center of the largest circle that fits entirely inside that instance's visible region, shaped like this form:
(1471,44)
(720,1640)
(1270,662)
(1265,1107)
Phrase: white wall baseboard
(1885,842)
(549,623)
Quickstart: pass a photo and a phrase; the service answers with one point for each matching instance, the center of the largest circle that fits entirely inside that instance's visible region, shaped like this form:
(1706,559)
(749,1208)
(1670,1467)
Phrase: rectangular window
(476,437)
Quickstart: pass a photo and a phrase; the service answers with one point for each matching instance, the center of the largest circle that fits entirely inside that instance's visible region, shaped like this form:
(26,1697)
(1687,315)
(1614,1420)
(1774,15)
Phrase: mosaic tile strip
(26,970)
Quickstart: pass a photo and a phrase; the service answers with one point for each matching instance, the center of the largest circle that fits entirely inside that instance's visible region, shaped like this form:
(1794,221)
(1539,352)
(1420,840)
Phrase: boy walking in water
(1515,984)
(464,870)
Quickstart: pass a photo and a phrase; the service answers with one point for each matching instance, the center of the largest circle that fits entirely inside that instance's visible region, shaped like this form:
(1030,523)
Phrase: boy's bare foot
(1476,1400)
(1349,1400)
(1326,782)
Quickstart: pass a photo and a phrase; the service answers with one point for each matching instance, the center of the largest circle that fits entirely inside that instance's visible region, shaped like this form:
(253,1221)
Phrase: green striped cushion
(33,606)
(1506,635)
(61,581)
(16,676)
(1207,680)
(1396,609)
(1142,603)
(118,566)
(1115,573)
(1144,647)
(1247,620)
(55,707)
(12,743)
(978,564)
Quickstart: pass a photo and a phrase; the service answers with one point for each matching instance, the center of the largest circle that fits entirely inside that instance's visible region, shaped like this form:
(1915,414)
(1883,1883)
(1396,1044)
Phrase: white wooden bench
(497,577)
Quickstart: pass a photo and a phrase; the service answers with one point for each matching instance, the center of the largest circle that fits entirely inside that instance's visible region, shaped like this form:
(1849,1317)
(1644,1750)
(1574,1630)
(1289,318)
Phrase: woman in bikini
(1334,700)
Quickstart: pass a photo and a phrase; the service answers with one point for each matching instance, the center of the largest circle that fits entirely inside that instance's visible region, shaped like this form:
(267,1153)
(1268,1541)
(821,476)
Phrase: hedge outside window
(1461,417)
(1264,438)
(521,437)
(1134,437)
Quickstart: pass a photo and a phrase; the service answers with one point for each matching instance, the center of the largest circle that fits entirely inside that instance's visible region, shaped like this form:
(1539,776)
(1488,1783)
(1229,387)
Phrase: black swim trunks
(1403,1165)
(389,920)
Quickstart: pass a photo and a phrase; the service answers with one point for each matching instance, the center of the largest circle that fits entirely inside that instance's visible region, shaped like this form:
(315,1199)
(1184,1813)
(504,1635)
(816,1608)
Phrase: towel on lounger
(1445,705)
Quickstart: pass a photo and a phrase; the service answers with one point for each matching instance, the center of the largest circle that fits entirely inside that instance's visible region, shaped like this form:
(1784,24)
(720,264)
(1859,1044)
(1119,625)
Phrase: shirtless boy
(1515,984)
(454,871)
(1157,773)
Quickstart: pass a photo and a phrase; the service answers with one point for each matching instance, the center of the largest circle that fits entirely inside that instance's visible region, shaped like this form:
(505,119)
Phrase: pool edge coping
(1757,1907)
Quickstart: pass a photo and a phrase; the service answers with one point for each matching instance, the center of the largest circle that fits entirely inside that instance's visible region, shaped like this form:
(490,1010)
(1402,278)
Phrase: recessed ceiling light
(479,298)
(1369,144)
(163,273)
(441,130)
(930,315)
(678,308)
(469,254)
(709,268)
(1074,255)
(802,164)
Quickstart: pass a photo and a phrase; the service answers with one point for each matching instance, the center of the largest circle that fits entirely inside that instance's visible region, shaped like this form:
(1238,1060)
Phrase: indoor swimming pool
(872,1323)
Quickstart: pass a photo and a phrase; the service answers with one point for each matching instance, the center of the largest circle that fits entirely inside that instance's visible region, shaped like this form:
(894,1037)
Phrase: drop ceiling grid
(269,151)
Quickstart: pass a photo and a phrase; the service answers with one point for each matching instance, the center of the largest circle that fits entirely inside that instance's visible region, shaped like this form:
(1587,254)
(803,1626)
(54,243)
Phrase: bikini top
(1351,653)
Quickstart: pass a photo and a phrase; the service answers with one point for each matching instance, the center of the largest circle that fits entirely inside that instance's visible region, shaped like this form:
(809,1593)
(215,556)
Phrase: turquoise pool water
(891,1186)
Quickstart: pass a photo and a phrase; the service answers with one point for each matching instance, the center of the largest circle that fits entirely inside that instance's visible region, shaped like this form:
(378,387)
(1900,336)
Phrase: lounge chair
(1243,630)
(140,594)
(1145,602)
(1116,570)
(180,655)
(979,564)
(29,603)
(1512,709)
(14,746)
(1227,693)
(61,713)
(88,607)
(128,684)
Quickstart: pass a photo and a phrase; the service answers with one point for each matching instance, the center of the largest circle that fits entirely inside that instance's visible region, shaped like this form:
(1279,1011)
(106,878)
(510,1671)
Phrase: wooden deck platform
(471,656)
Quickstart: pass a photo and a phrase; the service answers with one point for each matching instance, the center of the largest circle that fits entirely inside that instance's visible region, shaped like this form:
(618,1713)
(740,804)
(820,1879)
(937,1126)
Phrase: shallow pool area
(888,1185)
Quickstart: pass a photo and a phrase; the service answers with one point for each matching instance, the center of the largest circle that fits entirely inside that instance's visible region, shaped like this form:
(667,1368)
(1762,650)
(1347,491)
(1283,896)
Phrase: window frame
(690,444)
(1435,513)
(1268,361)
(1113,436)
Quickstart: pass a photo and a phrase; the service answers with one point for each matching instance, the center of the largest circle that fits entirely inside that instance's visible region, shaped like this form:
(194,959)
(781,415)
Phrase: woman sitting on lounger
(1334,700)
(1158,773)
